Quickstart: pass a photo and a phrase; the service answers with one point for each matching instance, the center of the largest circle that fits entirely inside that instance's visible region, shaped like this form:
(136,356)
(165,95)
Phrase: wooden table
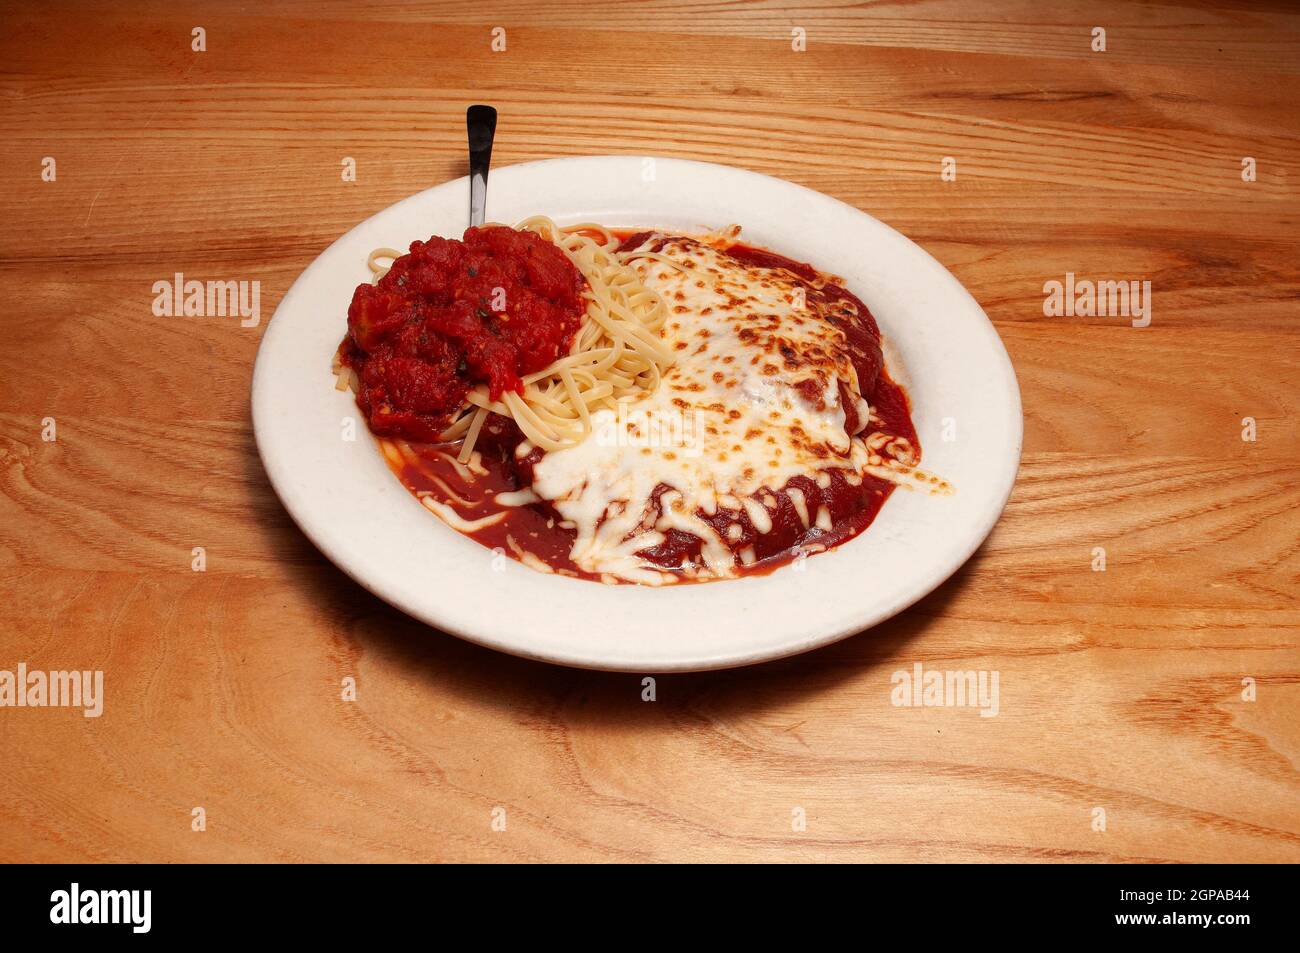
(1121,691)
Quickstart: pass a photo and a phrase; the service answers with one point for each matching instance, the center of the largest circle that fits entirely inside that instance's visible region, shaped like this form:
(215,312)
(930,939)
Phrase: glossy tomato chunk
(452,315)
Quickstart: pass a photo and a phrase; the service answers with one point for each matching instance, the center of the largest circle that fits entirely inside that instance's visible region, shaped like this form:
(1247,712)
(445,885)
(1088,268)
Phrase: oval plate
(938,343)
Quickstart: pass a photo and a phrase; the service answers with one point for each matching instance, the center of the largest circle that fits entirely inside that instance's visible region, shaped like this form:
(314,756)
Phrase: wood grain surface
(1120,691)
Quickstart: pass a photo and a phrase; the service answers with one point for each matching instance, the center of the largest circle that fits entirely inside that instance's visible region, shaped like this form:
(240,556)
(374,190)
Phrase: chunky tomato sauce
(429,469)
(452,314)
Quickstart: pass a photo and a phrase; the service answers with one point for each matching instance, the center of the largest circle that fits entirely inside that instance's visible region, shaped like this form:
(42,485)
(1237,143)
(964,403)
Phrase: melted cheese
(456,521)
(752,401)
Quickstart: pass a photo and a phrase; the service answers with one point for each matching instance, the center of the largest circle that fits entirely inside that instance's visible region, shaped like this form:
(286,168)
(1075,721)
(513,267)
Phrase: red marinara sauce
(428,469)
(450,314)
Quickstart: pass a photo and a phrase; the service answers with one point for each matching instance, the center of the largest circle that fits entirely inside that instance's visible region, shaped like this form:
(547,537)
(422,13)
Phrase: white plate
(938,343)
